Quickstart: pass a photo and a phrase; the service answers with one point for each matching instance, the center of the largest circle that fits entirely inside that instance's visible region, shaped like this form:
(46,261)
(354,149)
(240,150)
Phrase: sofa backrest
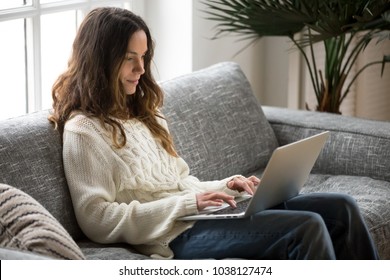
(217,123)
(31,160)
(356,147)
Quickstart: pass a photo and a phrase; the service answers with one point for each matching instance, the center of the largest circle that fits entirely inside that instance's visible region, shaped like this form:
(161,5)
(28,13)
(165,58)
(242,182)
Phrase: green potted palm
(345,27)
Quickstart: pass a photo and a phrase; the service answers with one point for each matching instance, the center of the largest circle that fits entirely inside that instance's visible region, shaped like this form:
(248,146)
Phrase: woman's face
(133,66)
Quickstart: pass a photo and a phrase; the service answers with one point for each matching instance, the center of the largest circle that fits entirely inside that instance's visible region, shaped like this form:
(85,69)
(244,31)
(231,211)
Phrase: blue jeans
(309,226)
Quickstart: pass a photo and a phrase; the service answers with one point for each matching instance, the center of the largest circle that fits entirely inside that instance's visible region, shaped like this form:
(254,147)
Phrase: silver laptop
(283,178)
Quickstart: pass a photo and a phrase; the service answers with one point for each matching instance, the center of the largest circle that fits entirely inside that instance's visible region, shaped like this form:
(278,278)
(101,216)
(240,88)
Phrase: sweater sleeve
(89,168)
(193,183)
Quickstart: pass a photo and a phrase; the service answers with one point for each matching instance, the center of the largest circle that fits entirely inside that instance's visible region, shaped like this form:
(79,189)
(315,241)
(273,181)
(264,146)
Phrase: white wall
(183,44)
(276,71)
(265,63)
(170,22)
(207,51)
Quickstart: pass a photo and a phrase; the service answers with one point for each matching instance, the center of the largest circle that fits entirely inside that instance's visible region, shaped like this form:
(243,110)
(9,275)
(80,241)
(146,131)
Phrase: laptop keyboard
(241,207)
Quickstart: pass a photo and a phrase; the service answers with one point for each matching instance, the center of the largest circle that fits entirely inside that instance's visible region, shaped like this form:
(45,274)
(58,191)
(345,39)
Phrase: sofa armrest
(357,147)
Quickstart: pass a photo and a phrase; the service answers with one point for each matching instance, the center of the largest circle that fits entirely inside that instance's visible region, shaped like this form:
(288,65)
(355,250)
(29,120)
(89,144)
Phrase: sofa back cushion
(31,160)
(217,123)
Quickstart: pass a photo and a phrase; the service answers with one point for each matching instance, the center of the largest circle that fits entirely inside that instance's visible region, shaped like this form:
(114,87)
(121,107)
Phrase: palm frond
(333,22)
(258,17)
(328,19)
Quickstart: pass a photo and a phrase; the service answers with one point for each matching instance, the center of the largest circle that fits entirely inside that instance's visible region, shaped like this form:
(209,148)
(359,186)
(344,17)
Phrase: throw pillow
(26,225)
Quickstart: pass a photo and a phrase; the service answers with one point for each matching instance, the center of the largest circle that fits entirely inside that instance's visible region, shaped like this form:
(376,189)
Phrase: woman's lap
(302,228)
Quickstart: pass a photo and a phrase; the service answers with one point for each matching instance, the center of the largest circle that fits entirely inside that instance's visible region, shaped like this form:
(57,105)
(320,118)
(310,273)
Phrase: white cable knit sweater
(133,194)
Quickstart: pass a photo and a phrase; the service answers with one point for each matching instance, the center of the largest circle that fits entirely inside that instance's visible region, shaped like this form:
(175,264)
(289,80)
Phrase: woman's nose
(140,67)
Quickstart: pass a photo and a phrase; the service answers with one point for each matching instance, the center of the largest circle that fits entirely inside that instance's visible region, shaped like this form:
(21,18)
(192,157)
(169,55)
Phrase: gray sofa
(219,129)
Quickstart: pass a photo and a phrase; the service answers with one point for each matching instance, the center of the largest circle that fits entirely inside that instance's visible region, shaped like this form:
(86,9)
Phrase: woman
(129,185)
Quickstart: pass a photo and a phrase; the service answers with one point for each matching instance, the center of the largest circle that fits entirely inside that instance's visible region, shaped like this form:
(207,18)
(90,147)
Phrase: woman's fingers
(214,199)
(241,183)
(238,183)
(254,180)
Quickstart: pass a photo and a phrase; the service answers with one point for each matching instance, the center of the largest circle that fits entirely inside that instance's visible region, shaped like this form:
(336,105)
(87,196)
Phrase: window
(37,36)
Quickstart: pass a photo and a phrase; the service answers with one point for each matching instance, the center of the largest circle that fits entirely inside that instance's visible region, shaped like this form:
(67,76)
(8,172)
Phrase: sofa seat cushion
(217,124)
(26,225)
(122,251)
(16,254)
(372,196)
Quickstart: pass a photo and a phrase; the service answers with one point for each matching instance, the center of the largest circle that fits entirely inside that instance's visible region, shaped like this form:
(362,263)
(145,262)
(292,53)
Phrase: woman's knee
(313,238)
(312,222)
(326,204)
(344,204)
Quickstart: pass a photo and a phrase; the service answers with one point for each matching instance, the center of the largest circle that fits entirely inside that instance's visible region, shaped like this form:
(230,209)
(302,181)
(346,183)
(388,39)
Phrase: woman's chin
(130,91)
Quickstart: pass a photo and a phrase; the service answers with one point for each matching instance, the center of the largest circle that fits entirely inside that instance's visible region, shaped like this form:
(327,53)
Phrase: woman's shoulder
(80,122)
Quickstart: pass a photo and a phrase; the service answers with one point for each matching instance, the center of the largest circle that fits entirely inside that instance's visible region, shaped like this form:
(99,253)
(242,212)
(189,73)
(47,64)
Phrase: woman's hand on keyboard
(240,183)
(207,199)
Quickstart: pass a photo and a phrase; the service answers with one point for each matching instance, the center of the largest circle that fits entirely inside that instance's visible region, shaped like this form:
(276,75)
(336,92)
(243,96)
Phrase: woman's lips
(134,82)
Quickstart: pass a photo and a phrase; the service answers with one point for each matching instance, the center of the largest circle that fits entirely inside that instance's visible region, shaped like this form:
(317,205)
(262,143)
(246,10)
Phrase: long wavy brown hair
(91,83)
